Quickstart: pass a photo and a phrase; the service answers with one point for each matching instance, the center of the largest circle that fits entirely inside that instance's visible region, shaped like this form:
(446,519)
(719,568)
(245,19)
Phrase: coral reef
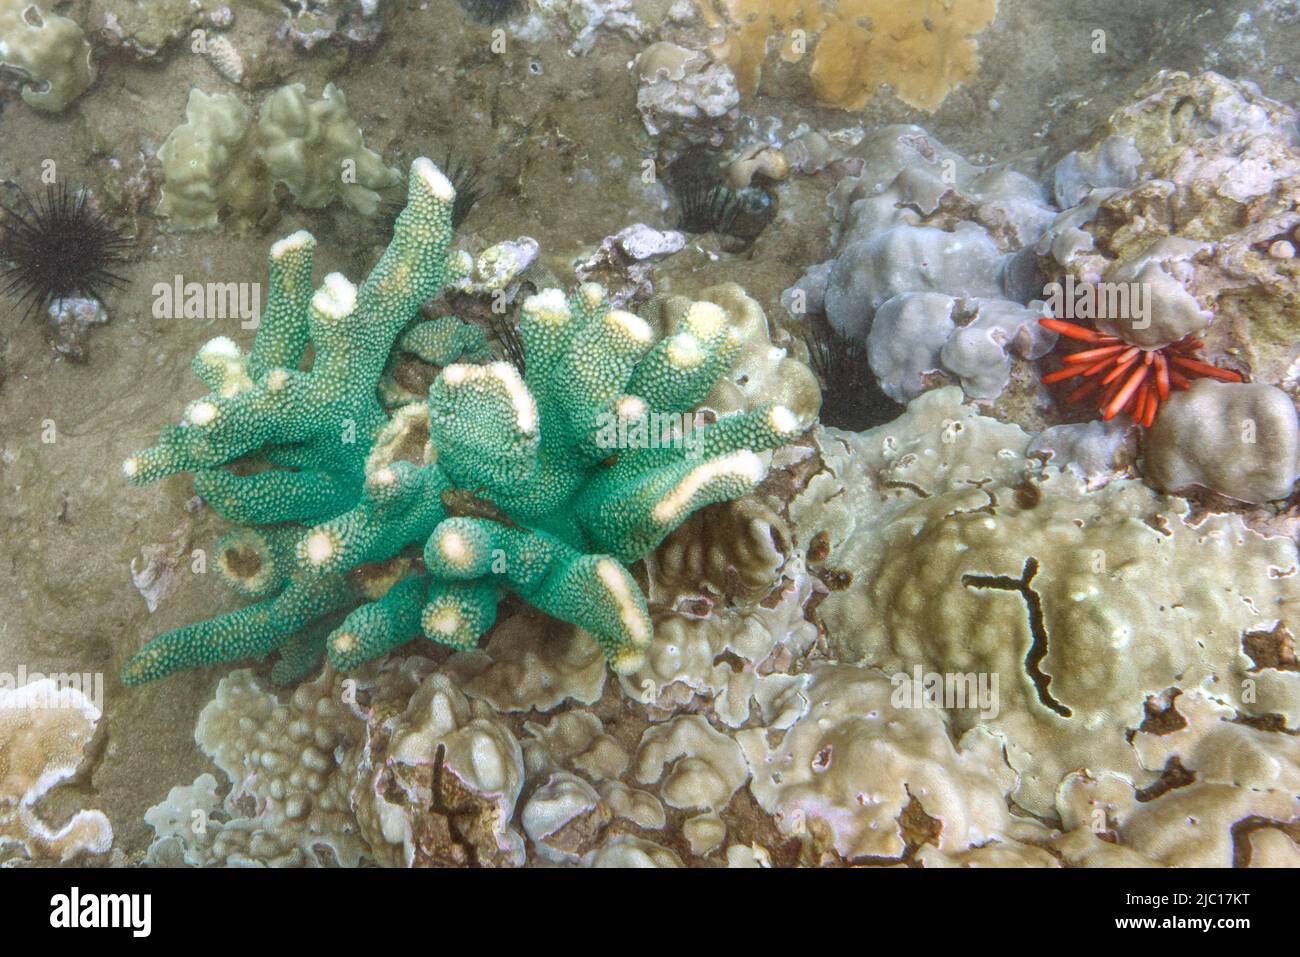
(544,485)
(49,50)
(1189,197)
(530,663)
(952,551)
(312,22)
(1136,717)
(933,266)
(675,622)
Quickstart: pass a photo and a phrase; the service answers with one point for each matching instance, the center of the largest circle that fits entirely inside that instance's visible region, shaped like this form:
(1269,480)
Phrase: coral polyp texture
(545,484)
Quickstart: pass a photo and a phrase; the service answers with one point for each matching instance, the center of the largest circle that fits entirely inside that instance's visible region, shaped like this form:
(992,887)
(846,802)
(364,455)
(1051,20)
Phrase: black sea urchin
(506,331)
(705,204)
(469,187)
(57,247)
(470,191)
(740,213)
(851,397)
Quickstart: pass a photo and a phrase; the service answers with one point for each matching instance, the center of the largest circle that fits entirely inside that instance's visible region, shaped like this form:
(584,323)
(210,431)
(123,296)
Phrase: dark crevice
(1243,851)
(1172,776)
(990,507)
(1271,648)
(1038,649)
(907,486)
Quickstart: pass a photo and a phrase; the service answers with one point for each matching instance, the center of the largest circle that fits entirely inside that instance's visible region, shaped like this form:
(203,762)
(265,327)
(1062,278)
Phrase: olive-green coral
(419,522)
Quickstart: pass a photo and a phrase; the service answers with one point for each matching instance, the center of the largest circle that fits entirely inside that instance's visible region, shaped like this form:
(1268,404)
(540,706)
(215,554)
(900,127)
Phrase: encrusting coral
(958,552)
(45,730)
(923,50)
(544,485)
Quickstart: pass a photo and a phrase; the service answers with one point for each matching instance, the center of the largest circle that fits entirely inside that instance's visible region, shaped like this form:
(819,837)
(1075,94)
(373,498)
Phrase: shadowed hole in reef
(851,397)
(243,561)
(1038,648)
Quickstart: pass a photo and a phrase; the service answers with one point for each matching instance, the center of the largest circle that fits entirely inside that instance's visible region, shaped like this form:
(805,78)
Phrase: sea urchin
(1127,378)
(57,247)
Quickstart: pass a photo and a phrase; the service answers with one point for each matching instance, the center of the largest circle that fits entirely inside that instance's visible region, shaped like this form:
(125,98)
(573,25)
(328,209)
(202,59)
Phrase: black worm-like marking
(1038,649)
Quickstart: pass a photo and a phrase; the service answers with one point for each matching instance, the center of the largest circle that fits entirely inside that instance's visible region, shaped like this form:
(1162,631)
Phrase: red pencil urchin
(1127,378)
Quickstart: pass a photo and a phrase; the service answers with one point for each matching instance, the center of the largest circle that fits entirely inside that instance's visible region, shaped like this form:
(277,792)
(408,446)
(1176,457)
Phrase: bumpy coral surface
(931,266)
(545,485)
(291,766)
(223,160)
(949,549)
(45,728)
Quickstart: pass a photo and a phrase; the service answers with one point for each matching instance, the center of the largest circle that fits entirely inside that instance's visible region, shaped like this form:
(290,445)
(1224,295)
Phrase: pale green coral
(50,50)
(315,149)
(224,160)
(209,164)
(508,482)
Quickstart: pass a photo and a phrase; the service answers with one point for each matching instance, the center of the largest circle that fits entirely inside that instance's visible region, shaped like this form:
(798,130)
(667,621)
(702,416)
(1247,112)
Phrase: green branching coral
(506,483)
